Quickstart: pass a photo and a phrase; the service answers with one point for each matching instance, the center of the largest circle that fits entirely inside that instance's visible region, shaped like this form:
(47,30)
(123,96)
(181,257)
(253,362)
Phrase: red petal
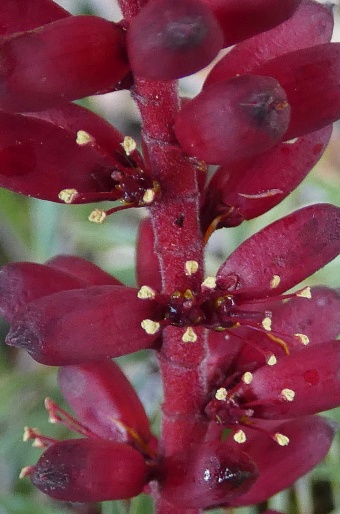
(86,470)
(317,318)
(101,395)
(291,248)
(233,119)
(311,79)
(83,269)
(311,24)
(23,282)
(52,161)
(19,16)
(241,20)
(77,56)
(170,39)
(75,326)
(280,466)
(312,374)
(245,189)
(206,475)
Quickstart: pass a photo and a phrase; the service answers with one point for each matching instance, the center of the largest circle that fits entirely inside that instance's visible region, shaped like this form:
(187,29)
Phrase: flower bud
(89,470)
(237,118)
(207,476)
(104,400)
(170,39)
(68,59)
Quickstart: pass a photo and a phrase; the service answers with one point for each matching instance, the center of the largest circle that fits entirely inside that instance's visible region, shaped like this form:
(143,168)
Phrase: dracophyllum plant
(245,365)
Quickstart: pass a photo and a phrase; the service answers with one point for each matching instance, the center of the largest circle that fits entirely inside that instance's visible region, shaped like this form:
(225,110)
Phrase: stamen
(288,394)
(26,471)
(221,394)
(304,293)
(302,338)
(247,377)
(30,433)
(58,415)
(84,138)
(39,443)
(279,341)
(67,195)
(189,336)
(275,281)
(209,282)
(265,194)
(129,145)
(267,323)
(146,293)
(240,437)
(281,439)
(149,196)
(150,327)
(191,267)
(272,360)
(97,216)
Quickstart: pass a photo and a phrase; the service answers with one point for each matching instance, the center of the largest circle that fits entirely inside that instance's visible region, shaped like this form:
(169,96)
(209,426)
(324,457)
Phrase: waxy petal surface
(19,16)
(53,160)
(23,282)
(241,20)
(84,270)
(104,400)
(247,188)
(207,475)
(73,471)
(311,24)
(317,318)
(291,248)
(311,79)
(77,56)
(280,466)
(311,374)
(72,327)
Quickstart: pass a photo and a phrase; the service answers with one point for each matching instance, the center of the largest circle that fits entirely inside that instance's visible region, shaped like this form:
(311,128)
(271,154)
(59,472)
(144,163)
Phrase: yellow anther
(150,327)
(129,145)
(221,394)
(25,471)
(288,394)
(191,267)
(240,437)
(97,216)
(149,196)
(209,282)
(303,338)
(267,324)
(189,336)
(305,293)
(275,281)
(247,377)
(67,195)
(272,360)
(281,439)
(38,443)
(84,138)
(146,293)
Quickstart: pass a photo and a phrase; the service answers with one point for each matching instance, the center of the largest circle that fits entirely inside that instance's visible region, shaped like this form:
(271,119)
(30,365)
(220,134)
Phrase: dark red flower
(116,431)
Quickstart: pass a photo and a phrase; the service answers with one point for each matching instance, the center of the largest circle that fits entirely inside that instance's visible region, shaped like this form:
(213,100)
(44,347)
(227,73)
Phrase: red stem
(178,239)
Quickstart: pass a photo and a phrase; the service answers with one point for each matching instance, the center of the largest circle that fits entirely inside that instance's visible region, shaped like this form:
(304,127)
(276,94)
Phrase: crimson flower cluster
(236,351)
